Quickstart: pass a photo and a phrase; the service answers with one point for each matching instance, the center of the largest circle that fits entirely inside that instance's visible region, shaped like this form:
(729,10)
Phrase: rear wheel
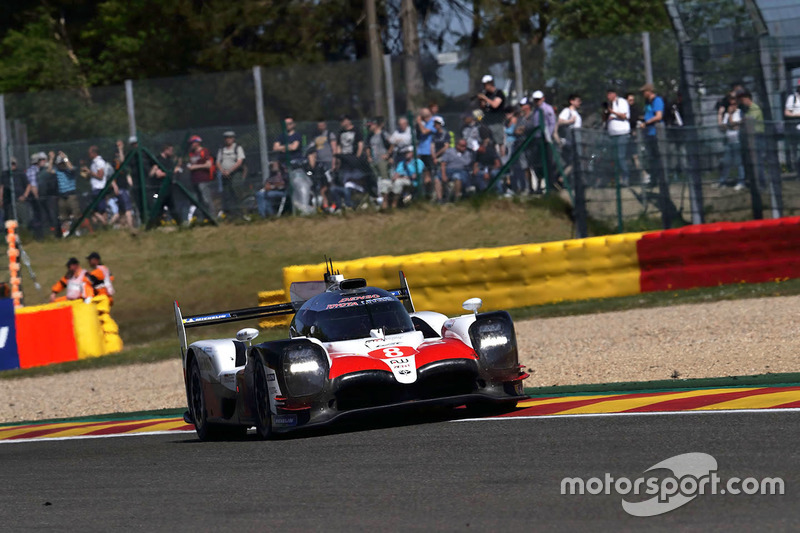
(197,406)
(261,400)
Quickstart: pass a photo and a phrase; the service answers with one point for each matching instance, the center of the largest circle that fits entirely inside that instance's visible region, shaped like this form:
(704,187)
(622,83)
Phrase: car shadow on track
(377,421)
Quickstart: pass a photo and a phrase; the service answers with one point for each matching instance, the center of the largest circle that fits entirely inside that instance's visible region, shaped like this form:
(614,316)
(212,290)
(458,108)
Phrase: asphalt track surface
(439,475)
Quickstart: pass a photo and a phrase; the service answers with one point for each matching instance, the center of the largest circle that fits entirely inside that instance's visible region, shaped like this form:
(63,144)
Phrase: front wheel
(261,400)
(197,407)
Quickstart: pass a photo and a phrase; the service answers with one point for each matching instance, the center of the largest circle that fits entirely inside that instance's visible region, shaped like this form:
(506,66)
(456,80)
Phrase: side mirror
(473,304)
(246,334)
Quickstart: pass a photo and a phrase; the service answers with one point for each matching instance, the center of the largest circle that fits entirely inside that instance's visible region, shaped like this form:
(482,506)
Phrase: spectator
(764,159)
(791,113)
(100,277)
(166,160)
(406,176)
(569,119)
(289,143)
(619,129)
(731,123)
(378,150)
(400,139)
(653,117)
(722,104)
(493,103)
(471,132)
(321,161)
(634,119)
(199,168)
(544,117)
(230,164)
(31,194)
(425,139)
(509,125)
(525,127)
(68,207)
(456,167)
(124,182)
(441,138)
(76,283)
(273,191)
(486,166)
(98,173)
(349,151)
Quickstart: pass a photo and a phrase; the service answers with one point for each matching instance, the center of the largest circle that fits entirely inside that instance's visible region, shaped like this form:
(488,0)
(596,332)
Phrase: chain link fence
(615,187)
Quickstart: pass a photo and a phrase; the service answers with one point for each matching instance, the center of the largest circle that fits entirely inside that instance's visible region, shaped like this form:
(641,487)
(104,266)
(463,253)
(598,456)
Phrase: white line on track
(489,419)
(76,437)
(652,413)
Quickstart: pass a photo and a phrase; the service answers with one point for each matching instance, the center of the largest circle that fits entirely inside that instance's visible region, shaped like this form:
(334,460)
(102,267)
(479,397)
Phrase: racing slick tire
(207,431)
(261,401)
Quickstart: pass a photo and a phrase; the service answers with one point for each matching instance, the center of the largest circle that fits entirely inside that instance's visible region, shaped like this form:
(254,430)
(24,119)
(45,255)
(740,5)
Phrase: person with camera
(69,209)
(617,115)
(653,117)
(493,103)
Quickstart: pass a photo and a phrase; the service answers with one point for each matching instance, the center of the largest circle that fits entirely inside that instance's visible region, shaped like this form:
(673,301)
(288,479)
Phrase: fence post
(517,70)
(4,144)
(262,125)
(750,160)
(581,229)
(131,111)
(648,60)
(773,172)
(387,69)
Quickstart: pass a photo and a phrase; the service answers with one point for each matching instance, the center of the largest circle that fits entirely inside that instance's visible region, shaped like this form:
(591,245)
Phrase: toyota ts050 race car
(352,349)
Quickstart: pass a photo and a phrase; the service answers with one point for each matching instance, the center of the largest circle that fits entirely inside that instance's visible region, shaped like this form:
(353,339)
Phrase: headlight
(493,338)
(304,369)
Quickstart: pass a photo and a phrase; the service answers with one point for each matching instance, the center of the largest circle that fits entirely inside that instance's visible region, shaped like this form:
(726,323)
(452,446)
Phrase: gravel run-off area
(729,338)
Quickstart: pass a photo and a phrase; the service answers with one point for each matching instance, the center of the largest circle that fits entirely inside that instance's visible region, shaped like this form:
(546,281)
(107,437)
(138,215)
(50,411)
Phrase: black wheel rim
(262,399)
(197,399)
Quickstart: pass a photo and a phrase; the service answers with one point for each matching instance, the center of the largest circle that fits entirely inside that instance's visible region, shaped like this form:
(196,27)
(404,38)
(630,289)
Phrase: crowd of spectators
(379,165)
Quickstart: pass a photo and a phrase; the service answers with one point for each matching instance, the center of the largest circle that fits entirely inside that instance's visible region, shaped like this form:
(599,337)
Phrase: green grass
(217,268)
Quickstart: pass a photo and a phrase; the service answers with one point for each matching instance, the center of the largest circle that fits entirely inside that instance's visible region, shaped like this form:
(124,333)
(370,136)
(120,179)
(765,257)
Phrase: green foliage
(584,19)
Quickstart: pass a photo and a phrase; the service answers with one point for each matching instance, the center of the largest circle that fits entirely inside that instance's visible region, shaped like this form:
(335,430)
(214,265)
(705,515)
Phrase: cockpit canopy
(345,315)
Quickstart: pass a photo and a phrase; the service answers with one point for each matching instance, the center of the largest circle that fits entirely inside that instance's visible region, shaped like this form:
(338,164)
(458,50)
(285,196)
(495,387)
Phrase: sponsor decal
(285,420)
(192,320)
(270,377)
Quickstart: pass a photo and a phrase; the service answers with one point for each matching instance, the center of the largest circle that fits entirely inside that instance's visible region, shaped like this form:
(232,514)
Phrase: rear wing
(249,313)
(223,317)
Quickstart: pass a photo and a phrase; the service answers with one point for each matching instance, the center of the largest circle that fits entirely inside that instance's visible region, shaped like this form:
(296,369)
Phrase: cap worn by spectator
(38,156)
(408,149)
(438,120)
(93,255)
(478,114)
(487,79)
(132,139)
(647,87)
(524,101)
(13,160)
(229,133)
(72,261)
(538,95)
(195,139)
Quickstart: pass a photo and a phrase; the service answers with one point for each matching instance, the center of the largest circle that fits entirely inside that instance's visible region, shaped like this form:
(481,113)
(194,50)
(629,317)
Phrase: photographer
(493,102)
(68,206)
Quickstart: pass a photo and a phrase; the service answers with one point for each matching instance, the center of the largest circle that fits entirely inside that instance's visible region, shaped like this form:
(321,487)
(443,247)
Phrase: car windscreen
(356,322)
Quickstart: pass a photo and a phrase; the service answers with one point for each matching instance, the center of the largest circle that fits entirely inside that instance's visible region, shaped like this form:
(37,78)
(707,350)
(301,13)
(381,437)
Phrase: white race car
(352,349)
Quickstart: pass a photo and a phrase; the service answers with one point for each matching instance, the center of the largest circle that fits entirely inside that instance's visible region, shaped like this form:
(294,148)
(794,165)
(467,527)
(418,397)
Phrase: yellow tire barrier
(505,277)
(271,298)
